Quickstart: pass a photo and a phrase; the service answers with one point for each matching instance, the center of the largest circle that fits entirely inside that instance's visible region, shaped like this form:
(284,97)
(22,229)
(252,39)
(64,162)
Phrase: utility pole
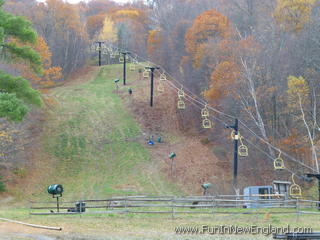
(124,66)
(152,84)
(100,46)
(235,127)
(310,175)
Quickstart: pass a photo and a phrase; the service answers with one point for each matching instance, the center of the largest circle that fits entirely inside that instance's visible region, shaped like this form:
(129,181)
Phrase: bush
(205,141)
(2,186)
(20,172)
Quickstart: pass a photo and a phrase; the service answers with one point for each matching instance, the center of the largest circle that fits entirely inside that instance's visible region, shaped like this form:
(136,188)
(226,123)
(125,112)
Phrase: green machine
(172,155)
(116,81)
(205,187)
(56,191)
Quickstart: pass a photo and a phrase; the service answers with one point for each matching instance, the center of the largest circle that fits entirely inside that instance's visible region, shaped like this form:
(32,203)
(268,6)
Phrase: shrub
(205,141)
(2,186)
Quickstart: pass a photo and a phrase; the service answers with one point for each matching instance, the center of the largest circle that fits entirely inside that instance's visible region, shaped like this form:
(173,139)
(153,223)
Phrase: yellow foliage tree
(292,15)
(108,32)
(131,13)
(298,92)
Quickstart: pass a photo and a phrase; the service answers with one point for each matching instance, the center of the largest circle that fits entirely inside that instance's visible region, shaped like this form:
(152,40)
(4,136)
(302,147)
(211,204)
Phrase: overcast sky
(76,1)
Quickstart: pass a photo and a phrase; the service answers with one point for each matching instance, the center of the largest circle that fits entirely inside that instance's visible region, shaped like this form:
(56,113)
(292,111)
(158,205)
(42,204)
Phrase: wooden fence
(222,204)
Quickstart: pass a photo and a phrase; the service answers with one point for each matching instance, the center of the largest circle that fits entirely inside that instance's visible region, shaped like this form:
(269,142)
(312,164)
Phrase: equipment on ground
(56,190)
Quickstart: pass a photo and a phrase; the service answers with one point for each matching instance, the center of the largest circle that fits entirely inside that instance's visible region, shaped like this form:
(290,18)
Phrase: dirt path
(10,231)
(195,162)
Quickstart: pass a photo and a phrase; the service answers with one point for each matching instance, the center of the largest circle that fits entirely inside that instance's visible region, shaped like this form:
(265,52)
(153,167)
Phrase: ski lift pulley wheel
(206,123)
(234,136)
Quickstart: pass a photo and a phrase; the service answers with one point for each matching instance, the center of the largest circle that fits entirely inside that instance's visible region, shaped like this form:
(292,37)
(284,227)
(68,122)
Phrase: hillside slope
(92,145)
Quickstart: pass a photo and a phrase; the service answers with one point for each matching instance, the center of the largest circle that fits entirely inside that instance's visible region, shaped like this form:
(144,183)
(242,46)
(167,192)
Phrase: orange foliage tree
(154,42)
(50,74)
(60,24)
(222,78)
(208,26)
(211,37)
(95,24)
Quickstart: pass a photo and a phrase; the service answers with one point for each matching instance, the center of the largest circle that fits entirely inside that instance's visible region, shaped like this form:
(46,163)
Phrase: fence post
(213,204)
(125,204)
(30,208)
(172,208)
(80,208)
(297,208)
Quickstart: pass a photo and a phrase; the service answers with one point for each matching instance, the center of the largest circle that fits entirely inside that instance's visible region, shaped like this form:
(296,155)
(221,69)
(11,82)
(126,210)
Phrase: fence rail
(223,204)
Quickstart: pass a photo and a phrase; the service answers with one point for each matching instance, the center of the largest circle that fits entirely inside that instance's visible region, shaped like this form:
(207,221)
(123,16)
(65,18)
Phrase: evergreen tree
(2,186)
(16,92)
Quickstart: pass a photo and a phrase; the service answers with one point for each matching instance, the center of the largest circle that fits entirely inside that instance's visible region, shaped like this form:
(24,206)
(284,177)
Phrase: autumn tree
(208,26)
(292,15)
(16,92)
(154,44)
(133,27)
(298,92)
(59,23)
(216,36)
(50,74)
(298,102)
(109,31)
(97,7)
(223,79)
(95,23)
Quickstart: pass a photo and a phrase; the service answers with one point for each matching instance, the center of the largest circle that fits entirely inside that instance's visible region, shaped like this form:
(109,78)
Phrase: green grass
(156,226)
(85,136)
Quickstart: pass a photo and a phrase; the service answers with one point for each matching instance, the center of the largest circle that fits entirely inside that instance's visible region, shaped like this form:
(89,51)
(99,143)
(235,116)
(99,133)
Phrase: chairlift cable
(201,102)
